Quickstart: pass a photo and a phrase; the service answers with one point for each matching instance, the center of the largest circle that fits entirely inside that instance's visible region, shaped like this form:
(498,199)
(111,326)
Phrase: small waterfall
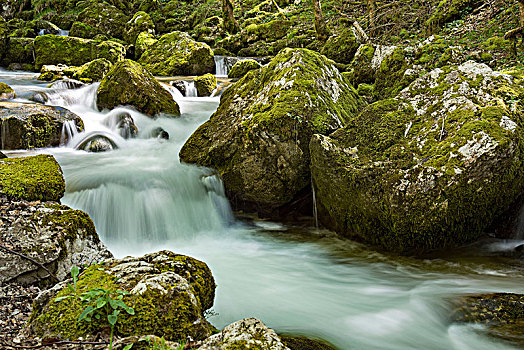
(85,96)
(41,32)
(191,90)
(68,132)
(63,32)
(221,68)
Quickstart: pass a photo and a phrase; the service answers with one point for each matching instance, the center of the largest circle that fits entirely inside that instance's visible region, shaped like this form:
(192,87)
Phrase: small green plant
(99,303)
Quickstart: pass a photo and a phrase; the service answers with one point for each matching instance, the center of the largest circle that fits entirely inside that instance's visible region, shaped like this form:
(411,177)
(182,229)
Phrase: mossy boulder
(259,137)
(270,31)
(6,92)
(361,67)
(56,236)
(393,74)
(249,333)
(19,50)
(105,18)
(93,71)
(342,46)
(169,293)
(27,126)
(205,84)
(4,33)
(82,30)
(140,23)
(32,178)
(55,49)
(429,169)
(143,42)
(128,83)
(240,68)
(450,10)
(177,54)
(303,343)
(501,313)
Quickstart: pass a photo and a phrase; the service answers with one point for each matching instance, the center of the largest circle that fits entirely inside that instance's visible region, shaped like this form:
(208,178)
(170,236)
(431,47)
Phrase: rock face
(249,333)
(259,137)
(36,178)
(177,54)
(56,236)
(128,83)
(93,71)
(25,126)
(428,169)
(503,313)
(55,49)
(97,143)
(168,292)
(241,68)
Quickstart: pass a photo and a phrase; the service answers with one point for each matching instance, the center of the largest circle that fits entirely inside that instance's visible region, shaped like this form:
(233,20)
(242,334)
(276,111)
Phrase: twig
(31,260)
(64,342)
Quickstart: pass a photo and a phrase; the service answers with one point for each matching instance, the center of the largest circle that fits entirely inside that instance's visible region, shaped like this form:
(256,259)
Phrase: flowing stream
(297,280)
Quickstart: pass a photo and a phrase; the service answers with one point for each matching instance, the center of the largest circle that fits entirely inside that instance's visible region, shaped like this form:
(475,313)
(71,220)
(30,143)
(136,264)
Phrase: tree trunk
(320,23)
(230,23)
(372,8)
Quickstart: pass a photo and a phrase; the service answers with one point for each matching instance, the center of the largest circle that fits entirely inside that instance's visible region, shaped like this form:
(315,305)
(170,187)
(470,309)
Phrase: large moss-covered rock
(428,169)
(26,126)
(205,84)
(241,68)
(56,236)
(259,137)
(143,42)
(341,47)
(270,31)
(177,54)
(391,75)
(55,49)
(6,92)
(32,178)
(501,313)
(93,71)
(19,50)
(82,30)
(361,66)
(105,18)
(140,23)
(169,293)
(249,333)
(128,83)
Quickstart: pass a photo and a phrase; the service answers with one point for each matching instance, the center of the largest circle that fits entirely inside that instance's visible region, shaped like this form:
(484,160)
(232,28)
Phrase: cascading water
(191,90)
(296,280)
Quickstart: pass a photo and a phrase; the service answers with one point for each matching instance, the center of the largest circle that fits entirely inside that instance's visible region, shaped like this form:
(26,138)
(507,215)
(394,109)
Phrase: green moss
(82,30)
(141,22)
(93,71)
(447,11)
(240,68)
(205,84)
(32,178)
(49,76)
(361,66)
(390,77)
(6,92)
(19,50)
(341,47)
(143,42)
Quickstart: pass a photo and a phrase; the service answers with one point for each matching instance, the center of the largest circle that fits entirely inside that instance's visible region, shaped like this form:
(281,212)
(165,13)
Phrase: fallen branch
(52,275)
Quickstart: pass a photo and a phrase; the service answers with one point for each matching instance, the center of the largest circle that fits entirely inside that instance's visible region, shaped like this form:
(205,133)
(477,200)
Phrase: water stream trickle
(297,280)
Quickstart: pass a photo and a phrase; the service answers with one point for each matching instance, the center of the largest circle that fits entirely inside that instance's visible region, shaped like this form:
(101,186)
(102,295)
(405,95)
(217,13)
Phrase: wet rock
(128,83)
(140,23)
(205,84)
(97,143)
(26,126)
(56,236)
(303,343)
(6,92)
(249,333)
(32,178)
(45,27)
(179,85)
(429,169)
(2,156)
(67,84)
(177,54)
(123,123)
(169,293)
(241,68)
(259,137)
(56,49)
(502,313)
(160,133)
(93,71)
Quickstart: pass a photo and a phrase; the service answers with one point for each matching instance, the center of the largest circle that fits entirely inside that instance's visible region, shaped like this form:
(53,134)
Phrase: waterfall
(84,96)
(63,32)
(69,131)
(191,90)
(221,68)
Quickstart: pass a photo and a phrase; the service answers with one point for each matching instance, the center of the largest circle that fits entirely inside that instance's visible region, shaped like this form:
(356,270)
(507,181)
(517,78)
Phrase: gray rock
(123,123)
(97,143)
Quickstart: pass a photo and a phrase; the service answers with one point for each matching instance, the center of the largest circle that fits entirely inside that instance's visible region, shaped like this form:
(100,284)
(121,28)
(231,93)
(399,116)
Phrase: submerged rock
(32,178)
(160,133)
(123,123)
(240,68)
(56,49)
(249,333)
(177,54)
(128,83)
(502,313)
(205,84)
(97,143)
(26,126)
(259,137)
(6,92)
(169,293)
(428,169)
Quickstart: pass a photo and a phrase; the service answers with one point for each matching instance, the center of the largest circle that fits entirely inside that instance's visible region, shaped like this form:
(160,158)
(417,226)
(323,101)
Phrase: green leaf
(63,298)
(127,347)
(100,303)
(113,317)
(85,313)
(130,311)
(75,271)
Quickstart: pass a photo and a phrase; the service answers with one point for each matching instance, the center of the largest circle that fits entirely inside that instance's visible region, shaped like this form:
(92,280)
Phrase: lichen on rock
(259,137)
(240,68)
(429,169)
